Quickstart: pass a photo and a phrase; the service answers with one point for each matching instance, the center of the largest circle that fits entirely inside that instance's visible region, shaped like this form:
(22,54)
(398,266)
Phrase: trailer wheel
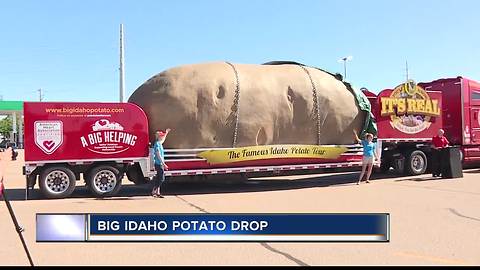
(135,175)
(416,163)
(104,181)
(57,182)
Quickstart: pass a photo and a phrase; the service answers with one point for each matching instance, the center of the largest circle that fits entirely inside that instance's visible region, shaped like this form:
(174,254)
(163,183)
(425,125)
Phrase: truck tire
(104,181)
(416,163)
(57,182)
(398,164)
(135,175)
(385,166)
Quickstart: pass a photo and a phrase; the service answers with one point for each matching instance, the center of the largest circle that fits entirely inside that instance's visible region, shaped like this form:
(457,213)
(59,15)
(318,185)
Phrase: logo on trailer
(48,135)
(106,125)
(410,108)
(108,138)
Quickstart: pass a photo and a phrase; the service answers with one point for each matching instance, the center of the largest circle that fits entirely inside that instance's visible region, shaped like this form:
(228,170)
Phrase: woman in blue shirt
(159,160)
(369,156)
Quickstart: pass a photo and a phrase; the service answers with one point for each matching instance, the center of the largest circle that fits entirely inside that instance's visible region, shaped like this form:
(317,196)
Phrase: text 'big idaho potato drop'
(194,225)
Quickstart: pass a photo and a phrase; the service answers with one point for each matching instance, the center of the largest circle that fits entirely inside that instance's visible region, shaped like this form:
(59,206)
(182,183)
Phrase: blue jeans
(160,177)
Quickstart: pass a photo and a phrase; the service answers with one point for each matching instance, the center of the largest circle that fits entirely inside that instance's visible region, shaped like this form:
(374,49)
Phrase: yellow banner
(271,151)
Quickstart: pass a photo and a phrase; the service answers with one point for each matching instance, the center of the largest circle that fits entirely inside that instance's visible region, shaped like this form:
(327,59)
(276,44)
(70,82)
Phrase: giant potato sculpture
(223,105)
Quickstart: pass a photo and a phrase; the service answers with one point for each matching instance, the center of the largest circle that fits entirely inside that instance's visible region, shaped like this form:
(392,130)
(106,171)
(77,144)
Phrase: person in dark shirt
(5,157)
(438,143)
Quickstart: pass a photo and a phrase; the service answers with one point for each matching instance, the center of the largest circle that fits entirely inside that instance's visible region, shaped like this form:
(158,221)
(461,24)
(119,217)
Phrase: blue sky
(70,48)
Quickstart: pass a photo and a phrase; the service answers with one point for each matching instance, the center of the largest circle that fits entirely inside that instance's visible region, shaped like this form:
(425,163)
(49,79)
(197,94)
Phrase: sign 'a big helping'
(271,152)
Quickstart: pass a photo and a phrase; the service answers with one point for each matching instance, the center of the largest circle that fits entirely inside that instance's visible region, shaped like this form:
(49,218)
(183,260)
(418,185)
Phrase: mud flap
(378,152)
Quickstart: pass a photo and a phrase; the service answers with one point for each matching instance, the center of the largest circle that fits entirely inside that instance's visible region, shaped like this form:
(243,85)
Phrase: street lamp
(345,60)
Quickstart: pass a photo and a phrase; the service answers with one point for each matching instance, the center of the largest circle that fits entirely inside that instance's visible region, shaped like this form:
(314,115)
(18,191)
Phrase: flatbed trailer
(102,142)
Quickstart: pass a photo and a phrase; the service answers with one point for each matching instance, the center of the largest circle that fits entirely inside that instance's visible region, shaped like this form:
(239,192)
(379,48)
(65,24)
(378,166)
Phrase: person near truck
(159,160)
(369,156)
(4,158)
(438,143)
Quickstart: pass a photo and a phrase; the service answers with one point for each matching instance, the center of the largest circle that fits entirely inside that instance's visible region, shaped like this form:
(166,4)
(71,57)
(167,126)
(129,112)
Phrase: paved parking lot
(433,222)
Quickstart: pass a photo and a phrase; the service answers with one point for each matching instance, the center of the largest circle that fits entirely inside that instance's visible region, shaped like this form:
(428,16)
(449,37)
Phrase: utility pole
(40,94)
(122,66)
(345,60)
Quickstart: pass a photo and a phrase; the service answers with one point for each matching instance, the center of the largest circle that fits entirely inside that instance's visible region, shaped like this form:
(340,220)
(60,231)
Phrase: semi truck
(102,142)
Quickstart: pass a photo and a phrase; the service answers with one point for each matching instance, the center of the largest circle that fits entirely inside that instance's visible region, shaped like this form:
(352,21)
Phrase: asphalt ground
(432,221)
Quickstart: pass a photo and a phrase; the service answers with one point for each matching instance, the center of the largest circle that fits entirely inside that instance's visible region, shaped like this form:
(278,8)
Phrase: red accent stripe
(202,164)
(405,140)
(284,168)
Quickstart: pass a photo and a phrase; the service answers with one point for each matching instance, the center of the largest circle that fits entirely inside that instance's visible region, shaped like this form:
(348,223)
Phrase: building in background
(15,110)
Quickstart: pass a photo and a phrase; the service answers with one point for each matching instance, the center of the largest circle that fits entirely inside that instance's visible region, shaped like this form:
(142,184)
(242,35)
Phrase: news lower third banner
(213,227)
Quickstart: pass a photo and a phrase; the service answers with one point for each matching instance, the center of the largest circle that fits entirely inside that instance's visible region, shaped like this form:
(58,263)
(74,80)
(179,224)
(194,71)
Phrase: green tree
(6,126)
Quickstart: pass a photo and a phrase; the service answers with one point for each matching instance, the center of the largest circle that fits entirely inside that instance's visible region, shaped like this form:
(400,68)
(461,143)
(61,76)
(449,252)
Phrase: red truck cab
(460,113)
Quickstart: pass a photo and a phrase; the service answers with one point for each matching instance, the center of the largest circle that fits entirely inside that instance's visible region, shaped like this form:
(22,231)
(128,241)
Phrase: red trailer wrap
(84,131)
(414,115)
